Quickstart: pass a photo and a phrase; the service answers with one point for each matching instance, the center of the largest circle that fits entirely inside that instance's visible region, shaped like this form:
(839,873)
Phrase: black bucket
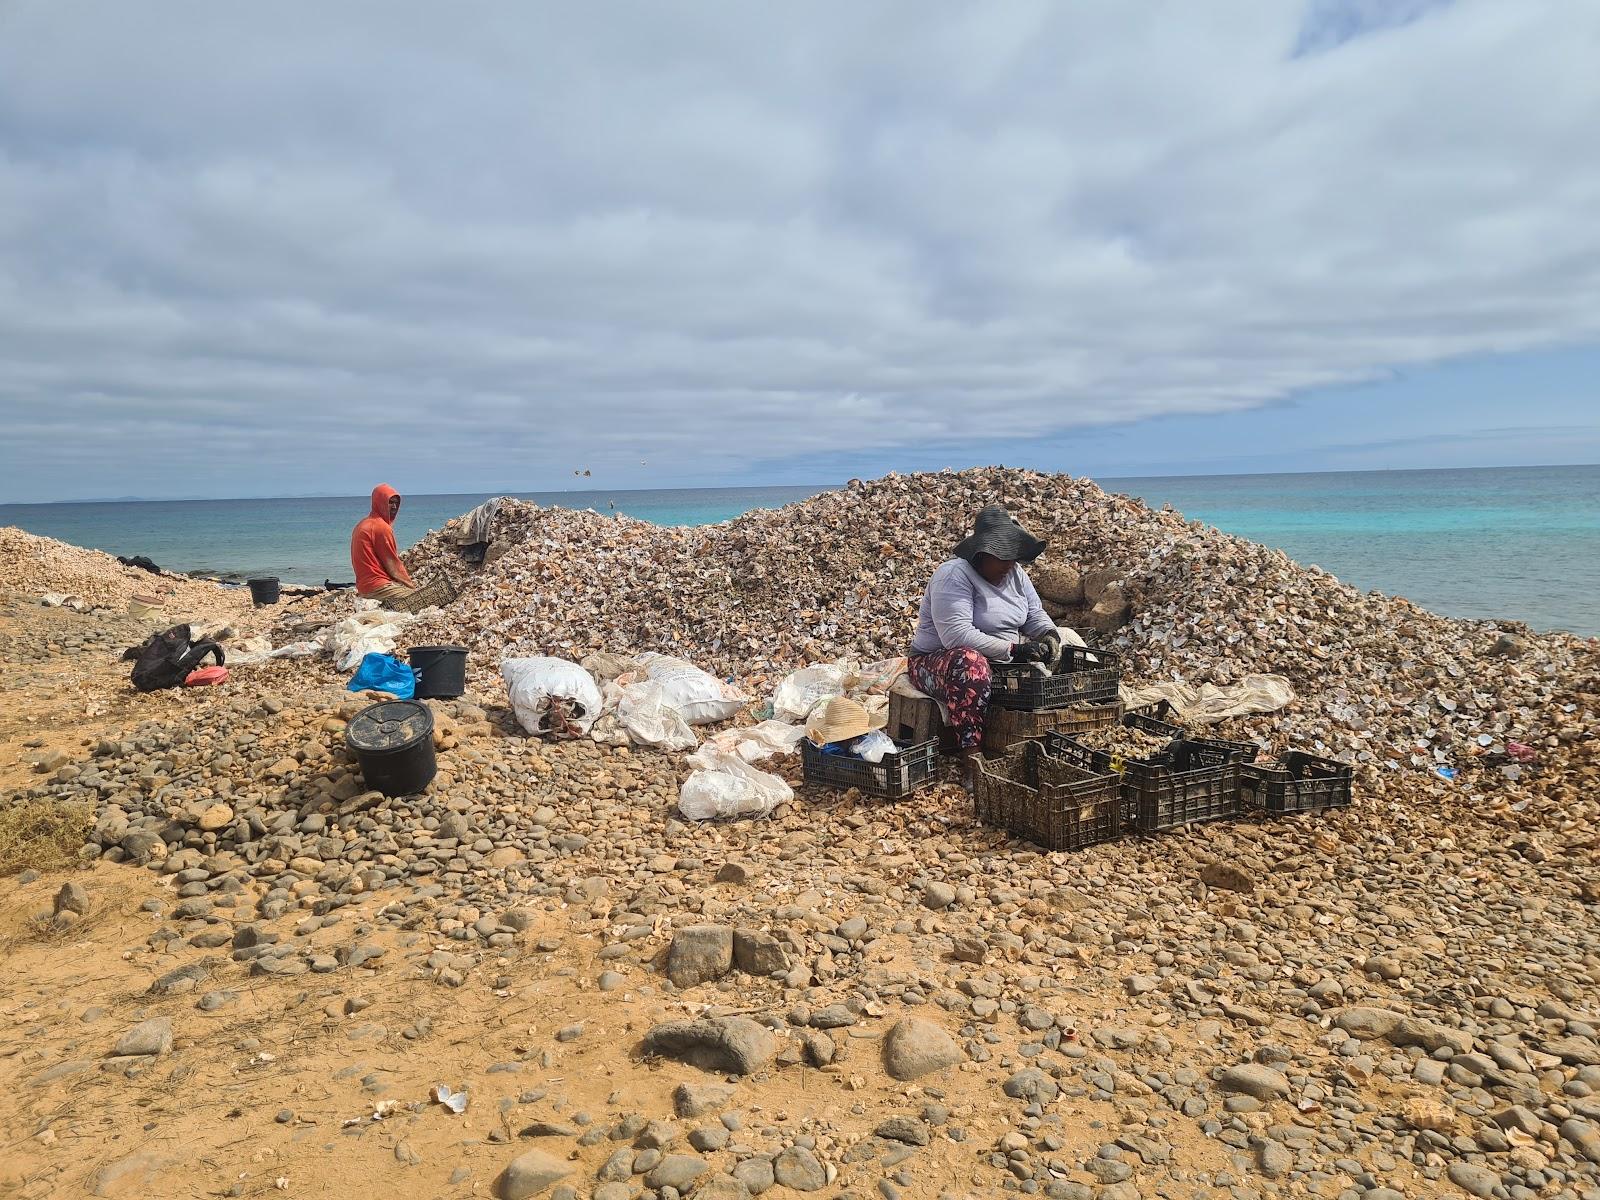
(441,671)
(264,589)
(393,742)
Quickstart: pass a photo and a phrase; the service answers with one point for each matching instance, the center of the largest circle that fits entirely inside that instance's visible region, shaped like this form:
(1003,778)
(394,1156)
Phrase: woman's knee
(974,666)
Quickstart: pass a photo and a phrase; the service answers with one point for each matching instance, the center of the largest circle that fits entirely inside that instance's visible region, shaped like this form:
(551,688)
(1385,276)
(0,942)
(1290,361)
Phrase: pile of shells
(33,566)
(1124,742)
(1379,682)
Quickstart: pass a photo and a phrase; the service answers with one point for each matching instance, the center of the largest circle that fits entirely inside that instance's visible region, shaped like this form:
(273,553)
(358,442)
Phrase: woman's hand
(1042,649)
(1030,652)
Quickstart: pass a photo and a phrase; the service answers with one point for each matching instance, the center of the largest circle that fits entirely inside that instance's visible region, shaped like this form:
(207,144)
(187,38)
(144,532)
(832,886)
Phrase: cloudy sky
(255,249)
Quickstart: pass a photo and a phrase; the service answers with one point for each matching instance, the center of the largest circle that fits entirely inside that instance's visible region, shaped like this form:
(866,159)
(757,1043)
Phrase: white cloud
(493,243)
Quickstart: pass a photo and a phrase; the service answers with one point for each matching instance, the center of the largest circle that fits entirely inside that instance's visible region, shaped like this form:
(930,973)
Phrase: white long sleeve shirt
(963,609)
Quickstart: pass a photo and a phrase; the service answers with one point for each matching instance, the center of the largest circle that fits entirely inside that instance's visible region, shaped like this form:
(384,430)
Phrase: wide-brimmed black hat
(997,532)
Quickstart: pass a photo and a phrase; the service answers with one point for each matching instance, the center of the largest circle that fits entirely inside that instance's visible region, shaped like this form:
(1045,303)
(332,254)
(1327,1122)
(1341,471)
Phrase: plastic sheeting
(1211,702)
(878,678)
(654,700)
(749,742)
(800,692)
(250,650)
(370,631)
(605,666)
(700,696)
(803,690)
(478,525)
(729,787)
(646,713)
(384,673)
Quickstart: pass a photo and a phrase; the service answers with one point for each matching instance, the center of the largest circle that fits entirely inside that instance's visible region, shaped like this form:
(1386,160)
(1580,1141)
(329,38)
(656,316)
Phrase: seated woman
(980,608)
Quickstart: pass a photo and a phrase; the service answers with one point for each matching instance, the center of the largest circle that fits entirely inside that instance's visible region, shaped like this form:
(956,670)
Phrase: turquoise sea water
(1516,542)
(307,540)
(1519,543)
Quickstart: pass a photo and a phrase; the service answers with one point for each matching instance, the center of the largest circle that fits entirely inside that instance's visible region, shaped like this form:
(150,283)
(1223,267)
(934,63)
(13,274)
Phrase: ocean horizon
(1497,543)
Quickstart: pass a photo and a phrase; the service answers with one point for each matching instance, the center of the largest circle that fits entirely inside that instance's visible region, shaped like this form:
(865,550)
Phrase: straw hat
(841,719)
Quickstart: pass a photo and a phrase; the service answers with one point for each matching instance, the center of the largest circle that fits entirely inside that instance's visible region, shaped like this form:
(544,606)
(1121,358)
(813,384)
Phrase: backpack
(167,658)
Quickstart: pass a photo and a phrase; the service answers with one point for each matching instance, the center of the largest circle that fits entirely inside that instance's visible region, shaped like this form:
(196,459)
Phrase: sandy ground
(320,1082)
(275,1092)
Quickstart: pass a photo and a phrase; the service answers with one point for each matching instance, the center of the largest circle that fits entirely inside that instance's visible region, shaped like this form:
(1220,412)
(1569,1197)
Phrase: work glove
(1030,652)
(1052,645)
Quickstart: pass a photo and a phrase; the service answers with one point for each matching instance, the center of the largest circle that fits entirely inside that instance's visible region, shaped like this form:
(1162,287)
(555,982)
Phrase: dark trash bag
(167,658)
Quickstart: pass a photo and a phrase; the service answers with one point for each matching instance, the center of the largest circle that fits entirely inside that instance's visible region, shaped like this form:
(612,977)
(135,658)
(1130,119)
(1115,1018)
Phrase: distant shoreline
(814,487)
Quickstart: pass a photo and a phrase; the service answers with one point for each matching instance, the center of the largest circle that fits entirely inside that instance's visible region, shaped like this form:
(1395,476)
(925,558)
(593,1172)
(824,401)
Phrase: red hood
(381,495)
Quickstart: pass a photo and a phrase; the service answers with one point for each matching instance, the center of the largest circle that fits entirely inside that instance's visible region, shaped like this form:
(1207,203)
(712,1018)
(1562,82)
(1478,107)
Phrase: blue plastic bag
(384,673)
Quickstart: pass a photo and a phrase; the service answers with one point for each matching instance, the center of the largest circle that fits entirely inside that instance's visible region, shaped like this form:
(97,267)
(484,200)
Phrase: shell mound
(1379,680)
(34,565)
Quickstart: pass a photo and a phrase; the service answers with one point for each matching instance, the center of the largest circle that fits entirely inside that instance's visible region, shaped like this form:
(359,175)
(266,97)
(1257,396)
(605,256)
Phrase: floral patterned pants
(960,680)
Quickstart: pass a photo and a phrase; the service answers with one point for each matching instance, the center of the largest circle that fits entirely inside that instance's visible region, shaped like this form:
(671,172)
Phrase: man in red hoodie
(379,572)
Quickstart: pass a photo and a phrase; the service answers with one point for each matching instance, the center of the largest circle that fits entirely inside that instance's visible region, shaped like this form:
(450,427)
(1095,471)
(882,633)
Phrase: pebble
(1473,1179)
(800,1169)
(1254,1080)
(529,1174)
(700,954)
(756,1174)
(152,1037)
(914,1048)
(72,899)
(736,1045)
(692,1100)
(676,1171)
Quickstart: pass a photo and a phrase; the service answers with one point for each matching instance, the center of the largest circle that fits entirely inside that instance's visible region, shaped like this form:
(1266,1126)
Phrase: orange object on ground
(372,542)
(206,677)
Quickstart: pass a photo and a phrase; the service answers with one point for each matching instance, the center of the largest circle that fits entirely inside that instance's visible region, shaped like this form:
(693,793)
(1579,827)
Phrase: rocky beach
(232,970)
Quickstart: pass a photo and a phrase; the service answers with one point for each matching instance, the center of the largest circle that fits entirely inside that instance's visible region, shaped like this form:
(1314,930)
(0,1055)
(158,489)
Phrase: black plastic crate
(1159,718)
(1088,658)
(1161,795)
(1096,762)
(1085,677)
(1070,750)
(1193,752)
(1004,728)
(1046,801)
(1188,753)
(1181,785)
(1298,782)
(895,776)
